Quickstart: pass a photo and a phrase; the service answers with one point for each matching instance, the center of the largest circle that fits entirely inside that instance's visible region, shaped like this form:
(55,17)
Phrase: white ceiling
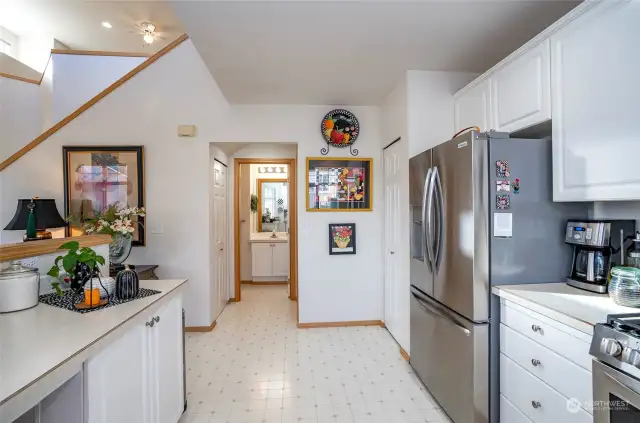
(77,23)
(352,52)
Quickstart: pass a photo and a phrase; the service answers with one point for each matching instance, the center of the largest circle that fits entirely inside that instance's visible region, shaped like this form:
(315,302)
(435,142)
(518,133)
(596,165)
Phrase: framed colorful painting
(96,177)
(342,238)
(339,184)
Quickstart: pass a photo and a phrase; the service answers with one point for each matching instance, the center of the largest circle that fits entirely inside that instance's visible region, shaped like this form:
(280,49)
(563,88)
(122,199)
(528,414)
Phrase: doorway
(219,291)
(275,211)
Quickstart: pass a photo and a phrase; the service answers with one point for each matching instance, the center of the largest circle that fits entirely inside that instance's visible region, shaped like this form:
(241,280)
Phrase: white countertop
(266,237)
(34,342)
(572,306)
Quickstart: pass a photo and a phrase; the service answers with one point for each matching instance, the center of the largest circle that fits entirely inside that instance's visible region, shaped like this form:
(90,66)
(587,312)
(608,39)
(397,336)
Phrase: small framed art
(339,184)
(342,238)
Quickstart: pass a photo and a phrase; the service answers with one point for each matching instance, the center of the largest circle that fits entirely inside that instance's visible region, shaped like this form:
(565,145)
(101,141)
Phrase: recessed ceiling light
(107,25)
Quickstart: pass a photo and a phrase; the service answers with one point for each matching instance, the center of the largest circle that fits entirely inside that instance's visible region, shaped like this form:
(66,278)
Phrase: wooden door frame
(292,171)
(259,182)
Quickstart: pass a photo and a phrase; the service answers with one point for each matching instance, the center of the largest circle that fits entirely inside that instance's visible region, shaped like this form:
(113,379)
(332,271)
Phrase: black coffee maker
(597,247)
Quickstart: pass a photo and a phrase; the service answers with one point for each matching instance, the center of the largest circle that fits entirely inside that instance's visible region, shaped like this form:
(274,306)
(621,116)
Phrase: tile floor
(258,367)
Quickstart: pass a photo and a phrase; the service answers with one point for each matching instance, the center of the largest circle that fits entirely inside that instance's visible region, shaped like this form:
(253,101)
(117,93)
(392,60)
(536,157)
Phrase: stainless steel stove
(616,372)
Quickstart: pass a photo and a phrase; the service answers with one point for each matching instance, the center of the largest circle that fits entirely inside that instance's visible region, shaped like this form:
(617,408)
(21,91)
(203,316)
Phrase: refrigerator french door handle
(426,240)
(440,217)
(446,319)
(430,193)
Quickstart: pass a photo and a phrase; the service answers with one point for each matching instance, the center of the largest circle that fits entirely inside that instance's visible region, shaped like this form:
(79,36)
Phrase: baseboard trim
(201,328)
(341,324)
(404,354)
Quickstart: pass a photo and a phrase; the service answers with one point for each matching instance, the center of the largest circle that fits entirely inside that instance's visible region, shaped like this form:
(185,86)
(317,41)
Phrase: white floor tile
(258,367)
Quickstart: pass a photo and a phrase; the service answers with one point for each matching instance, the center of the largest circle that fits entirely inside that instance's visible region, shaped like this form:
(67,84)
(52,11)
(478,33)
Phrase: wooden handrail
(55,128)
(22,250)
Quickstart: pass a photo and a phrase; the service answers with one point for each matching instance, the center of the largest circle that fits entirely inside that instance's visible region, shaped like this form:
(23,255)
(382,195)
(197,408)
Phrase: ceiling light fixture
(107,25)
(148,38)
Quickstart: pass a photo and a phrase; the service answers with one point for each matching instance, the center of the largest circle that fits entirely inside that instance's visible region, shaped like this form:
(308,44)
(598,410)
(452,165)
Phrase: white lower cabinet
(139,377)
(510,414)
(544,369)
(537,400)
(270,261)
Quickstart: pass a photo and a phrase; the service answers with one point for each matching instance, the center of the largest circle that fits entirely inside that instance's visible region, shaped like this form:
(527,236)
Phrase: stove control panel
(610,347)
(631,356)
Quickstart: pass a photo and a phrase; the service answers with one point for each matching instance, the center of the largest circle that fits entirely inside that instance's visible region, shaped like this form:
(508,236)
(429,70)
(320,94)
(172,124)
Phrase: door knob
(242,221)
(536,404)
(392,252)
(221,249)
(157,319)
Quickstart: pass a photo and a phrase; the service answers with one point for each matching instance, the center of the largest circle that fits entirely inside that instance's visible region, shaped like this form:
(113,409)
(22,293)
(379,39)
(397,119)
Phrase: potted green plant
(80,263)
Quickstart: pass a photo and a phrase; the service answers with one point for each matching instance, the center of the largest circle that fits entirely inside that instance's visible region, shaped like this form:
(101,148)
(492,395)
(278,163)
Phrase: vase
(342,244)
(120,248)
(127,284)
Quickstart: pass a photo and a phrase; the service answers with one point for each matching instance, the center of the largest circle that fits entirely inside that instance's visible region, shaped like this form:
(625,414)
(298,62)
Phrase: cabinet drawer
(510,414)
(524,390)
(561,374)
(549,333)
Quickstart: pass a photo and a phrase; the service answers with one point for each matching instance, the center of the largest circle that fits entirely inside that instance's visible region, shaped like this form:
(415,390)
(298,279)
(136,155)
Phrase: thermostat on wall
(187,131)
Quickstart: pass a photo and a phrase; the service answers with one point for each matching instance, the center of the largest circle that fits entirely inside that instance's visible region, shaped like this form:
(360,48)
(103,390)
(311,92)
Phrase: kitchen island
(122,363)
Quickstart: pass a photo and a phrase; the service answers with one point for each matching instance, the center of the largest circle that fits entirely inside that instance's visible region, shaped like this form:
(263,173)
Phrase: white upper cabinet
(472,107)
(521,90)
(596,89)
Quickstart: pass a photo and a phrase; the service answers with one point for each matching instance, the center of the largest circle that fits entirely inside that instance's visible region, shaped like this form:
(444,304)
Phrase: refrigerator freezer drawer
(451,357)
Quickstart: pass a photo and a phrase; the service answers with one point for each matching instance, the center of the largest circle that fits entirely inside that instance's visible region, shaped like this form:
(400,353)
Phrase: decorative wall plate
(340,128)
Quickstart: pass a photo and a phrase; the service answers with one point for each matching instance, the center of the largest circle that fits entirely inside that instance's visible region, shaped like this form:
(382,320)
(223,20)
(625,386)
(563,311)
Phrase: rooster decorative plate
(340,128)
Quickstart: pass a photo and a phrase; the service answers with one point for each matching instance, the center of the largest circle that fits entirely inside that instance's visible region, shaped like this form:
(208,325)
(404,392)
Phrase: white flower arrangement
(114,220)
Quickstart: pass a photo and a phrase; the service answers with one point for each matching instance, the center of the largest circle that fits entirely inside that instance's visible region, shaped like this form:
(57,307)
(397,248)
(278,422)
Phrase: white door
(281,259)
(219,293)
(471,107)
(117,380)
(261,259)
(521,91)
(166,359)
(595,71)
(396,235)
(245,221)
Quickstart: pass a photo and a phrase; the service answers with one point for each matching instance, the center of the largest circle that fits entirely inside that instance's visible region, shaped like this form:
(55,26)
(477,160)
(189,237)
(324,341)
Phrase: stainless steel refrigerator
(482,215)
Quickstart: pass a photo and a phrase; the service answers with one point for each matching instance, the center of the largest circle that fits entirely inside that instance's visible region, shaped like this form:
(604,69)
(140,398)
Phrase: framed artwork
(342,238)
(339,184)
(96,177)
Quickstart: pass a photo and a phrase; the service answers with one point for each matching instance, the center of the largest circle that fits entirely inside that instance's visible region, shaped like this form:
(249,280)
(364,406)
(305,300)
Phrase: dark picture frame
(342,238)
(117,181)
(339,184)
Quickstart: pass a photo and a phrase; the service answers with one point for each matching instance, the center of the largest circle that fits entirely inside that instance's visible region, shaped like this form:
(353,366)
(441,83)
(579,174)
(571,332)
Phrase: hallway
(257,366)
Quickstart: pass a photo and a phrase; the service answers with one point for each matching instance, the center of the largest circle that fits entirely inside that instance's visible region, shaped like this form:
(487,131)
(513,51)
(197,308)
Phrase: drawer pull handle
(536,328)
(151,323)
(157,319)
(536,404)
(535,362)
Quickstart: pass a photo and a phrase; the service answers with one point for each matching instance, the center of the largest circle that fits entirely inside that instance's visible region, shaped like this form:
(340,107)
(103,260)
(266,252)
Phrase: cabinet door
(521,91)
(167,363)
(471,108)
(261,259)
(117,380)
(281,259)
(596,87)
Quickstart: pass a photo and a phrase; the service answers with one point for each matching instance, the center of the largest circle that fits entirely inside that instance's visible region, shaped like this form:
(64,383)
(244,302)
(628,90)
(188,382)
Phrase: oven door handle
(626,388)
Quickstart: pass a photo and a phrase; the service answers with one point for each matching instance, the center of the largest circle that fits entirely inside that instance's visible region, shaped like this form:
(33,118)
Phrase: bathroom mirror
(273,205)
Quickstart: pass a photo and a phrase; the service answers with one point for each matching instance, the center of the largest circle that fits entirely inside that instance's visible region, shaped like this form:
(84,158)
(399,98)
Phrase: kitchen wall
(177,89)
(78,78)
(331,288)
(617,210)
(430,107)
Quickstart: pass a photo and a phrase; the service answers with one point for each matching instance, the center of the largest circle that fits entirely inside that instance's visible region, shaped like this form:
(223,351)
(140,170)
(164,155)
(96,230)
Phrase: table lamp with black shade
(35,215)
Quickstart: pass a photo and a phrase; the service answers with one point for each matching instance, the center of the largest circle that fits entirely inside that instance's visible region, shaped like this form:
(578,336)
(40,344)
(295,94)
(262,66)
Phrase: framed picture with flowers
(342,238)
(339,184)
(104,183)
